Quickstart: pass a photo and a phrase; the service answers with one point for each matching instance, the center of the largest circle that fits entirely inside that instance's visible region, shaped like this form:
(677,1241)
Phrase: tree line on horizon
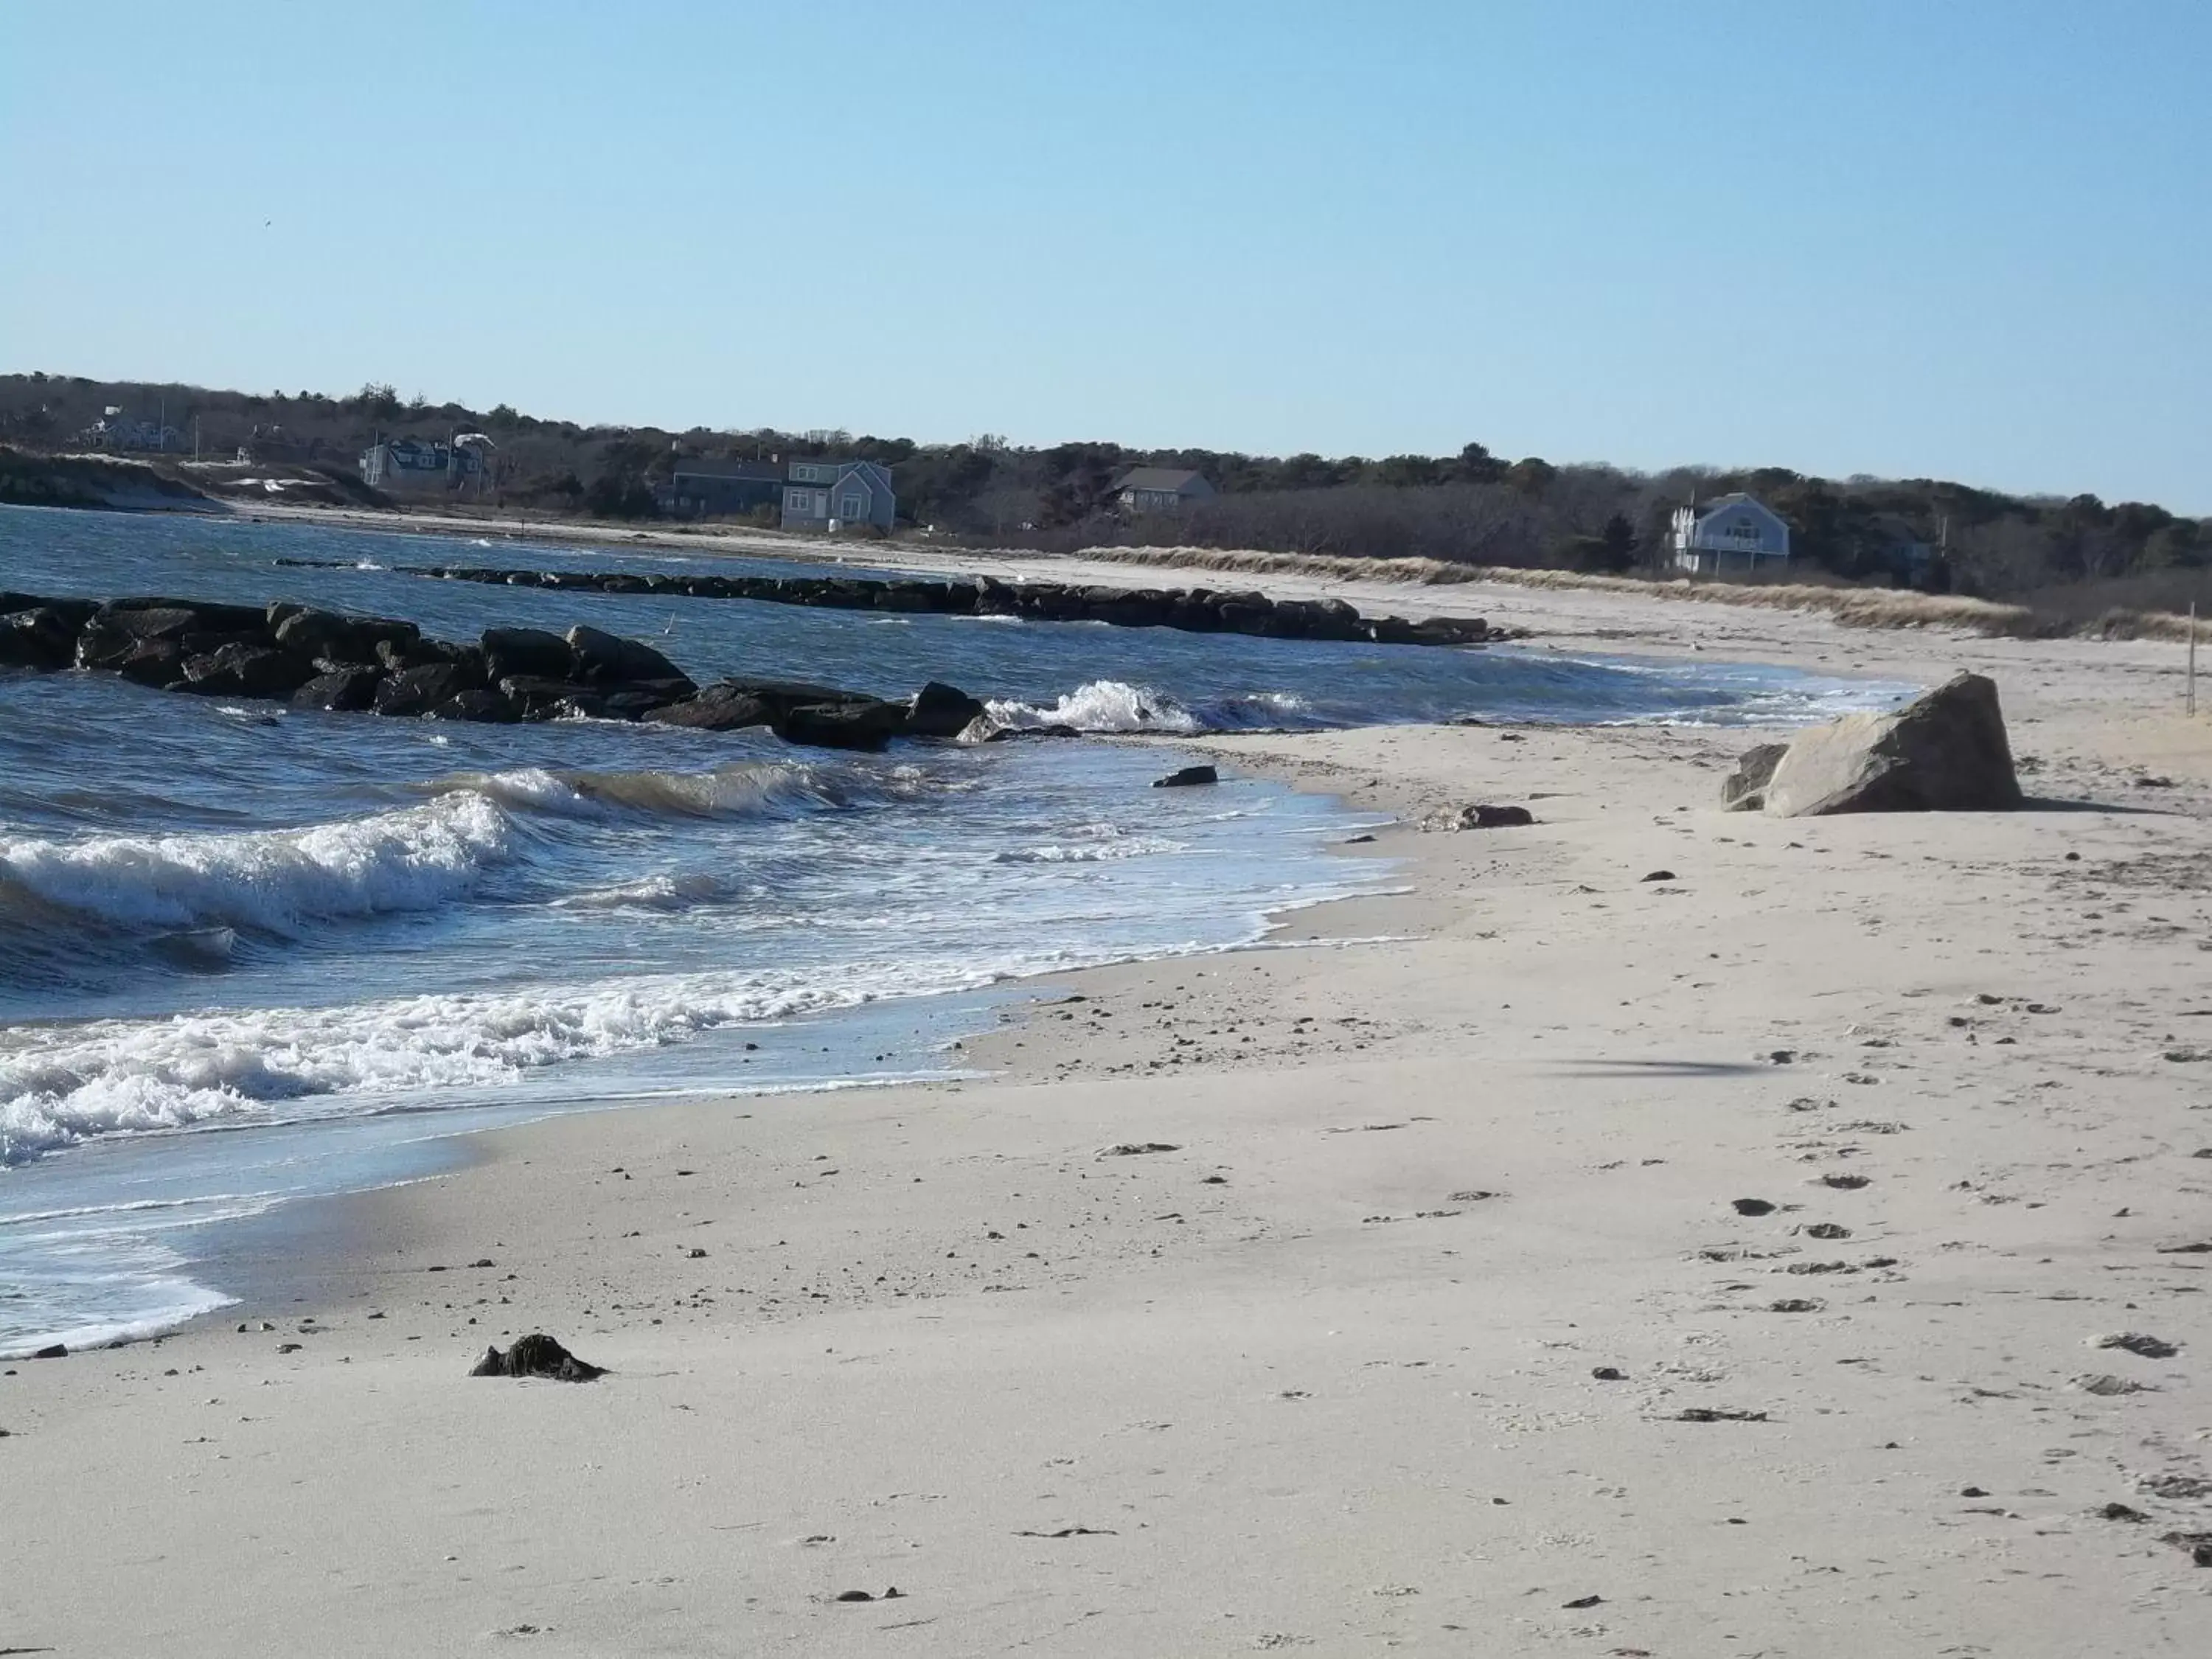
(1472,507)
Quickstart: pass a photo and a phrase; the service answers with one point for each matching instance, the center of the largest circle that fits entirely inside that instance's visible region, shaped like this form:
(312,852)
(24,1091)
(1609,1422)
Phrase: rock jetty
(325,659)
(1196,611)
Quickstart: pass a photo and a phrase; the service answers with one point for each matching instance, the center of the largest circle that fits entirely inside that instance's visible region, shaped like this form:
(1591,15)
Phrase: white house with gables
(1735,532)
(816,493)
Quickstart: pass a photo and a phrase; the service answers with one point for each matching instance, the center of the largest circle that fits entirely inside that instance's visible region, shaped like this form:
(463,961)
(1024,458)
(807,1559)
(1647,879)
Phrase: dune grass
(1852,607)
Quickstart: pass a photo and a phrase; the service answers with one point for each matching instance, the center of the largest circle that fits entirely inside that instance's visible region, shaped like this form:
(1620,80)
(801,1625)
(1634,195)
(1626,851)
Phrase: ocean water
(249,955)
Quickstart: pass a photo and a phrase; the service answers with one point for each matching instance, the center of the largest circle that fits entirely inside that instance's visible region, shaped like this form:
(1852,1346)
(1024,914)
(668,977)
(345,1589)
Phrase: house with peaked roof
(413,463)
(824,494)
(1161,488)
(701,488)
(1735,532)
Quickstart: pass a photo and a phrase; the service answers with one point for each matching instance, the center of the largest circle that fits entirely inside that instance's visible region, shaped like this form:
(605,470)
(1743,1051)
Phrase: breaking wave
(276,880)
(1101,706)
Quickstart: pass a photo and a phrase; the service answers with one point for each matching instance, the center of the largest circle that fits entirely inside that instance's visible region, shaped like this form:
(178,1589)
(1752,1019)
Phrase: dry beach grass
(1544,1259)
(1853,607)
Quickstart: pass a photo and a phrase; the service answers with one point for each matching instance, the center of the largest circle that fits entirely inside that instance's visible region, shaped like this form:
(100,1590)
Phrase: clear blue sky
(1965,238)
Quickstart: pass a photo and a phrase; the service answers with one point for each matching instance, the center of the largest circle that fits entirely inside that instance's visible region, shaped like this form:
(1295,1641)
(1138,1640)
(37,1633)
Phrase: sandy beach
(1652,1231)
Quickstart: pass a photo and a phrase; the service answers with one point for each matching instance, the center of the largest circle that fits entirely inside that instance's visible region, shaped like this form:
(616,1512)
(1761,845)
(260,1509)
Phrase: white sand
(1341,1401)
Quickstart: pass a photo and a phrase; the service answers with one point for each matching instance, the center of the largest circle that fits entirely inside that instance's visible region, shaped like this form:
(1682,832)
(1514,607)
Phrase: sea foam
(60,1084)
(1101,706)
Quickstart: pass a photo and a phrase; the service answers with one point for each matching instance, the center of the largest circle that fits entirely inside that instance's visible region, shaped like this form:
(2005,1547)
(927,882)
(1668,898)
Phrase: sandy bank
(1322,1374)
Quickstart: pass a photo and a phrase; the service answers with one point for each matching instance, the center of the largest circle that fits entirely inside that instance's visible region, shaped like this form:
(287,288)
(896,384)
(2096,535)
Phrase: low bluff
(1195,610)
(314,658)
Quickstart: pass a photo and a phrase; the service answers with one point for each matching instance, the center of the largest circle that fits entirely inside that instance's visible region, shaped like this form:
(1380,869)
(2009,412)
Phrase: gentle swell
(739,790)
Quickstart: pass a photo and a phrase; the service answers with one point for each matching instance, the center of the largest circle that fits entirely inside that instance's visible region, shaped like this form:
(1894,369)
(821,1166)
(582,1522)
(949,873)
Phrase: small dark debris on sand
(1070,1532)
(1658,875)
(1752,1207)
(1606,1373)
(2140,1344)
(537,1355)
(2177,1488)
(2120,1512)
(1794,1304)
(1582,1601)
(1845,1183)
(1139,1148)
(894,1593)
(1717,1415)
(1827,1230)
(54,1351)
(2197,1543)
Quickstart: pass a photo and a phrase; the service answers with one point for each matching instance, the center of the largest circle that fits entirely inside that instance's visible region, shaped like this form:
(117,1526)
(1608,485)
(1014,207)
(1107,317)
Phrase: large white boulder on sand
(1943,752)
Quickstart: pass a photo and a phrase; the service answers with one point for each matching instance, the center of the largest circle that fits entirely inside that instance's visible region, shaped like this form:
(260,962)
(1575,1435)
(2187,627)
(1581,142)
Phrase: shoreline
(1330,1369)
(300,1249)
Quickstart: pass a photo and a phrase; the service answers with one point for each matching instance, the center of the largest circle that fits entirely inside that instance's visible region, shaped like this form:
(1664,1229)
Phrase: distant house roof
(700,466)
(1733,499)
(1168,479)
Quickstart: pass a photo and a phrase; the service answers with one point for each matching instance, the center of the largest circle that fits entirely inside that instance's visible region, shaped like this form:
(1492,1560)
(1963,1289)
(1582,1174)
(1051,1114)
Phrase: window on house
(853,507)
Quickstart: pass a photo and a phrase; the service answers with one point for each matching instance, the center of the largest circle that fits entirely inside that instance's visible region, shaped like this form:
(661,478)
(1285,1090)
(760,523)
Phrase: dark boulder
(348,690)
(104,644)
(1450,630)
(1245,613)
(1127,607)
(634,702)
(238,669)
(1188,776)
(994,598)
(1945,752)
(862,726)
(527,651)
(781,695)
(1492,818)
(534,697)
(76,612)
(477,703)
(911,596)
(537,1355)
(1315,619)
(939,710)
(142,661)
(41,637)
(155,619)
(418,690)
(1195,612)
(715,709)
(599,657)
(1744,790)
(335,638)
